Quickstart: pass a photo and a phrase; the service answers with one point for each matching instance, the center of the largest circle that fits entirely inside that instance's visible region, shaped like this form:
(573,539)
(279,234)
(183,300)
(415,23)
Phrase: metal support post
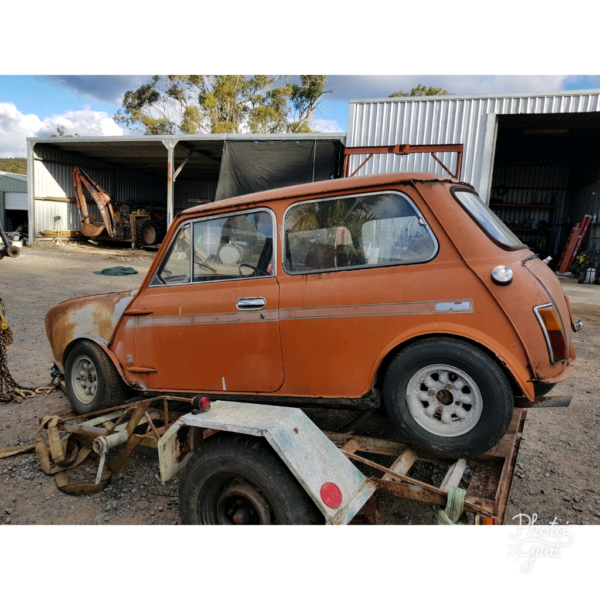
(170,145)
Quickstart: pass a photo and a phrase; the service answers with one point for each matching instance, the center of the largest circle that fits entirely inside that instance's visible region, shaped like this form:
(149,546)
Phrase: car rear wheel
(449,396)
(239,480)
(91,380)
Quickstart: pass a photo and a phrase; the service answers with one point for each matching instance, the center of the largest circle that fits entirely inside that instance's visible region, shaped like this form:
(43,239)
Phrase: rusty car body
(401,290)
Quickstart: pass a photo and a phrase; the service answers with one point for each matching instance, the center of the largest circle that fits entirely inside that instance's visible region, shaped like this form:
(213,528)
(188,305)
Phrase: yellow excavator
(140,227)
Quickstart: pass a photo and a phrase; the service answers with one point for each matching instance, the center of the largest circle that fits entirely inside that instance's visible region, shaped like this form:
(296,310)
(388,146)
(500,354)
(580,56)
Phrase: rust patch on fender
(94,316)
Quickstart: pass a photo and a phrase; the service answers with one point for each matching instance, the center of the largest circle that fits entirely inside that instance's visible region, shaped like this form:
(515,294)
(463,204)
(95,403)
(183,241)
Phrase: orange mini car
(401,291)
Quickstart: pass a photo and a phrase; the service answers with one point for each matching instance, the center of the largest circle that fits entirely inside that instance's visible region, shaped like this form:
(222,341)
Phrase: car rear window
(356,232)
(486,219)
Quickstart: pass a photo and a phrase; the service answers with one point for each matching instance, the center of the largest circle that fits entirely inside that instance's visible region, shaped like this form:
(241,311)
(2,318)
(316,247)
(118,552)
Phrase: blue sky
(37,105)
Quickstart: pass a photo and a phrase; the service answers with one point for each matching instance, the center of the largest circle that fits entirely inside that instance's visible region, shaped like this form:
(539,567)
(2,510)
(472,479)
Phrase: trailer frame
(165,424)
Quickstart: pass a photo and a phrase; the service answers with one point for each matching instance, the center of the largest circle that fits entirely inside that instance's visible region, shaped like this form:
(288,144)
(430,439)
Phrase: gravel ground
(557,475)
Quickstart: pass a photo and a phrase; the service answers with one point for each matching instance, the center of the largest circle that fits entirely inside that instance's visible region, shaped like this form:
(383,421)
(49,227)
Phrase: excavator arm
(91,228)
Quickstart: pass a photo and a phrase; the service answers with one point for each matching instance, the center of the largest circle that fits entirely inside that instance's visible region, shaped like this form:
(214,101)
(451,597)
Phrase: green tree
(421,90)
(223,104)
(60,132)
(14,165)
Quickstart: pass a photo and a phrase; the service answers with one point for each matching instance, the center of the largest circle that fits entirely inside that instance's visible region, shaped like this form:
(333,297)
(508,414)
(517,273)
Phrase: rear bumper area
(564,375)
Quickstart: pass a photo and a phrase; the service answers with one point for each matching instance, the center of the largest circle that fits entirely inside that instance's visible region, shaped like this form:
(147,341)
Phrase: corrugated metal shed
(131,170)
(468,120)
(10,183)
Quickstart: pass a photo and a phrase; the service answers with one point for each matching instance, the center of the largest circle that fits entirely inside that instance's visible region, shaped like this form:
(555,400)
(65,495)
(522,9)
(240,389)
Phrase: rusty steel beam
(439,162)
(434,496)
(403,150)
(362,164)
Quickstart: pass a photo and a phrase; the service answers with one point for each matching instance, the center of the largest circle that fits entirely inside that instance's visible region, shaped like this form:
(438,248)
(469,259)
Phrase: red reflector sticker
(331,495)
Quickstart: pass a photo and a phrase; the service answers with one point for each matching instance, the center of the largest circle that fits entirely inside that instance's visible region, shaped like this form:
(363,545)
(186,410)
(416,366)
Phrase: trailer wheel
(147,232)
(91,380)
(239,480)
(448,396)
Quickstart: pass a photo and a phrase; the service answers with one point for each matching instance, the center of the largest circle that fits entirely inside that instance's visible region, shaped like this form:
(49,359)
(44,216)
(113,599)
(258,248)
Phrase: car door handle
(251,303)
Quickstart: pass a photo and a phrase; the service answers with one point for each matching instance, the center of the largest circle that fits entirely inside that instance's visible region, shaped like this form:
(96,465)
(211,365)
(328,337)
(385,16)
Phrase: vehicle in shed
(401,291)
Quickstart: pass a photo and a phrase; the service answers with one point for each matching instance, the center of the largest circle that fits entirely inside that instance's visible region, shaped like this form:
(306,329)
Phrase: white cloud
(327,126)
(15,127)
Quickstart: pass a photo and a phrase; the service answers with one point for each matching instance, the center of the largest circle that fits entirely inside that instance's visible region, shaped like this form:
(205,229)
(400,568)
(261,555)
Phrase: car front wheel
(448,396)
(91,380)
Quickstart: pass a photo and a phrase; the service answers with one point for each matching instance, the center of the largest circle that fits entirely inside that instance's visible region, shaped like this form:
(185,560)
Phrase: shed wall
(446,120)
(9,184)
(53,170)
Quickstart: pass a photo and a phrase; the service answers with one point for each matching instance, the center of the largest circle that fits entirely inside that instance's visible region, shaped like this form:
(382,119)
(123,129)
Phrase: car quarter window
(176,268)
(356,232)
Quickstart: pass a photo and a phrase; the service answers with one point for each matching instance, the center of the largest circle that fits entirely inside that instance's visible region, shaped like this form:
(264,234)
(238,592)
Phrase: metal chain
(10,390)
(7,383)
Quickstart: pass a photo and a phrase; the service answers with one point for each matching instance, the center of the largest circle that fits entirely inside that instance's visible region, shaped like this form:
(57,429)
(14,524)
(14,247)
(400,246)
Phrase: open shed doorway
(546,177)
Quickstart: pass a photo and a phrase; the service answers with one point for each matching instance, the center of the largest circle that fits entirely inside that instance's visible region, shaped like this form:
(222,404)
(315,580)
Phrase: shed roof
(14,176)
(593,92)
(147,153)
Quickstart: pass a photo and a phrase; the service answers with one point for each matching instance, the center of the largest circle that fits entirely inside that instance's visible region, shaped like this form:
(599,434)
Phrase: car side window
(233,247)
(176,269)
(356,232)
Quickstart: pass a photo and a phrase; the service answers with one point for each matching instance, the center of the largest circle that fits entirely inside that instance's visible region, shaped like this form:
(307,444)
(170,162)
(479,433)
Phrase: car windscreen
(486,219)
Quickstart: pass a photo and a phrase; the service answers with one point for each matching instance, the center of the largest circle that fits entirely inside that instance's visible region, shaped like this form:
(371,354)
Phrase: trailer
(244,463)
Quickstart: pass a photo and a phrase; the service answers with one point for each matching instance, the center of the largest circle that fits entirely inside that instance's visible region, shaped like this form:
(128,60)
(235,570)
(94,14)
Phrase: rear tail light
(548,317)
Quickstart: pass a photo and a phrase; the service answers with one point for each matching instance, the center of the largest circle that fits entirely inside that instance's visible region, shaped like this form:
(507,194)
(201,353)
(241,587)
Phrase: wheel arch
(517,374)
(102,344)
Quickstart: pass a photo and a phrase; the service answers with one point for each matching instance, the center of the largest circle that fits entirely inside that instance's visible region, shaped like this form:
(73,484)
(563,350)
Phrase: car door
(352,282)
(208,321)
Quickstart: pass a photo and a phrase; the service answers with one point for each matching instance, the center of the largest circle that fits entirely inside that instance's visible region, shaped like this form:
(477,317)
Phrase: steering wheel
(255,270)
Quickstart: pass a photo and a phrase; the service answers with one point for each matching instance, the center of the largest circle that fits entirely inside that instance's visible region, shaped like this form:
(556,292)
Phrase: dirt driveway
(558,472)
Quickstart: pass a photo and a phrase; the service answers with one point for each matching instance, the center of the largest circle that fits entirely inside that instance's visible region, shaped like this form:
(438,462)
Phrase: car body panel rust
(324,336)
(86,317)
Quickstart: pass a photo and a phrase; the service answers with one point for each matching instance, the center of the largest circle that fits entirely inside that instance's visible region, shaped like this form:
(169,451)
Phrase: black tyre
(148,232)
(239,480)
(91,380)
(448,396)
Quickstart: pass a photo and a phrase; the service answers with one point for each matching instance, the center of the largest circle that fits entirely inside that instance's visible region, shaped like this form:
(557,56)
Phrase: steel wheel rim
(149,234)
(224,494)
(84,380)
(243,504)
(444,400)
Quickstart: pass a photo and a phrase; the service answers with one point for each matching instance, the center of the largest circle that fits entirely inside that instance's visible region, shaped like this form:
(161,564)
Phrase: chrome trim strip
(204,319)
(396,264)
(390,309)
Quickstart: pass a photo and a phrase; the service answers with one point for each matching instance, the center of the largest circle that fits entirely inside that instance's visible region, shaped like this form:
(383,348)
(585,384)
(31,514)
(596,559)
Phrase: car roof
(319,187)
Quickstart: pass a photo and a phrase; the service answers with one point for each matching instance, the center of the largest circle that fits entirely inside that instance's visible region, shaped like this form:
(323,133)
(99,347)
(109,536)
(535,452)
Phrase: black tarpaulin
(249,167)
